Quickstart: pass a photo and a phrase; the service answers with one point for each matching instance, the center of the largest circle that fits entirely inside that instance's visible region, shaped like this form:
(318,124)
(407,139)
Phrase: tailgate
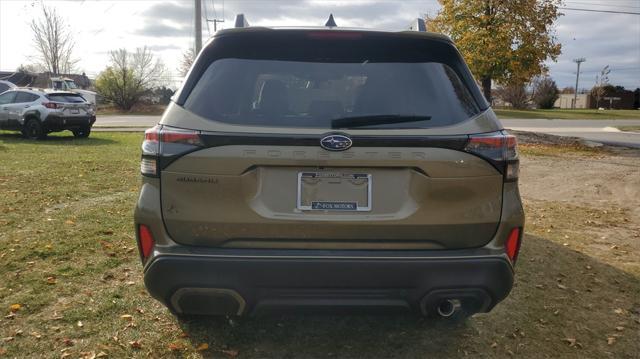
(251,196)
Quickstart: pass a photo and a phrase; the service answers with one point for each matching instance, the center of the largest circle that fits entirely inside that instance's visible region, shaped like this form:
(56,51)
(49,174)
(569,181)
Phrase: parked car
(68,85)
(36,113)
(6,85)
(329,168)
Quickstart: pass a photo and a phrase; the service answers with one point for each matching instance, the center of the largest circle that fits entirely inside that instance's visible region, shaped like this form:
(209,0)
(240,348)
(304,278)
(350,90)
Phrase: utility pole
(198,15)
(575,93)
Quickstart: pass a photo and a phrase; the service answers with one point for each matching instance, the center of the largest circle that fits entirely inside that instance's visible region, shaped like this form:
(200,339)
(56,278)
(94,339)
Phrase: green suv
(326,168)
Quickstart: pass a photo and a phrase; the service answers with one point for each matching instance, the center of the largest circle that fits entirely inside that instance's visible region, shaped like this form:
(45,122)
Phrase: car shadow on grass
(564,304)
(56,139)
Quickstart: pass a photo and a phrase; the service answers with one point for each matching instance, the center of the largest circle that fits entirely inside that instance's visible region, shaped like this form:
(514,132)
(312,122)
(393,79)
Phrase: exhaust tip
(448,307)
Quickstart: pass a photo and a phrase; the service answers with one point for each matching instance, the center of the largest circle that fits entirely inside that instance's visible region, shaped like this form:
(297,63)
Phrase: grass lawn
(570,114)
(71,284)
(629,128)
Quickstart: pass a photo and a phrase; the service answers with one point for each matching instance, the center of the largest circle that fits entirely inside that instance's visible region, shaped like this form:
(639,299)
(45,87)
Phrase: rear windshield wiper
(362,121)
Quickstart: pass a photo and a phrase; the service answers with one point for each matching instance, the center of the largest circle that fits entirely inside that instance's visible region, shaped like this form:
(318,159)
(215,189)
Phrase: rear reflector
(512,246)
(146,241)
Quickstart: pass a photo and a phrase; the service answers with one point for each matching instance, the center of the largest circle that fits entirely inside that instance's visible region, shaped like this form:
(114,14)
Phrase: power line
(609,4)
(604,11)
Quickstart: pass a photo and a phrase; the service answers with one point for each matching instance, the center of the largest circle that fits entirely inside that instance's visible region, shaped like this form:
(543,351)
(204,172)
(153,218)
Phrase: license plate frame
(74,110)
(333,205)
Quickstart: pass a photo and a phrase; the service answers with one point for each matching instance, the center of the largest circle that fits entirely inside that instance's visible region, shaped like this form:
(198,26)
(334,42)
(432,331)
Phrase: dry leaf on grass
(611,340)
(15,307)
(68,342)
(231,353)
(127,317)
(202,347)
(101,355)
(174,347)
(571,341)
(135,344)
(51,280)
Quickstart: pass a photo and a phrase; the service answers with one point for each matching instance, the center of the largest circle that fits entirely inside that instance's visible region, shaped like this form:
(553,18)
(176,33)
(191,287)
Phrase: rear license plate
(334,191)
(75,110)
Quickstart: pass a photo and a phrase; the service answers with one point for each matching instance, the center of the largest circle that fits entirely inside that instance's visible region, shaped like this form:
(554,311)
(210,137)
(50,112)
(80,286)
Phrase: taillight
(500,148)
(52,105)
(512,245)
(146,241)
(164,143)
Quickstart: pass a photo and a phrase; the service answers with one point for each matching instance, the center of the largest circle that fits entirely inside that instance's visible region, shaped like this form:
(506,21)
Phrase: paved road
(603,131)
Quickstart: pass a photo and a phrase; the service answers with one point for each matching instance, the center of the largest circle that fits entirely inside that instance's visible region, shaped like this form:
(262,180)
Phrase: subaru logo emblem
(336,142)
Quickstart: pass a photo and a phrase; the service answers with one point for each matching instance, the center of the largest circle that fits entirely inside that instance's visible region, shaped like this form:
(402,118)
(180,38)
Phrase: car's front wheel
(83,132)
(33,130)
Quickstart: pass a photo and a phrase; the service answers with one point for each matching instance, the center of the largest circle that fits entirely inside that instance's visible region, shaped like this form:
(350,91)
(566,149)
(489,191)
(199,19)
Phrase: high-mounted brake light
(165,142)
(512,245)
(500,148)
(334,35)
(146,241)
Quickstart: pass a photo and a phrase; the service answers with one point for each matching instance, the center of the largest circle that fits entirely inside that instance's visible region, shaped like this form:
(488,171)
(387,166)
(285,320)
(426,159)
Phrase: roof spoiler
(418,25)
(241,21)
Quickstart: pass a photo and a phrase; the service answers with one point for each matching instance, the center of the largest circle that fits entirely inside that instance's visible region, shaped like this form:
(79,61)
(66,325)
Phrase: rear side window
(313,80)
(68,98)
(23,97)
(3,87)
(7,98)
(313,94)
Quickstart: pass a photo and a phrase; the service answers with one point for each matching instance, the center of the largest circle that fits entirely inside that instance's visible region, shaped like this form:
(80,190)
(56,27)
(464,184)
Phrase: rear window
(68,98)
(313,94)
(292,88)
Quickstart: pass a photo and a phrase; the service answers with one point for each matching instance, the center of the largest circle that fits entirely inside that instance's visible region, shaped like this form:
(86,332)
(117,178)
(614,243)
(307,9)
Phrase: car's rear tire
(33,130)
(82,132)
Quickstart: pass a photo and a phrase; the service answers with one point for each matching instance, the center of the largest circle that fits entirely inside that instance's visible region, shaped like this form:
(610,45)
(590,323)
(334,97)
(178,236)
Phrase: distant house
(42,80)
(565,100)
(614,98)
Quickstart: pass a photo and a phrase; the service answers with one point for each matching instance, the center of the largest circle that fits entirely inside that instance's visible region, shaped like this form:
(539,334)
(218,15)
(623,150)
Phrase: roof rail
(241,21)
(418,25)
(331,22)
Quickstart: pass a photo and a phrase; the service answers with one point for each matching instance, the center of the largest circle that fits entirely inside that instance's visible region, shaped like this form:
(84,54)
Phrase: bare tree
(514,93)
(188,57)
(602,81)
(54,42)
(545,92)
(129,75)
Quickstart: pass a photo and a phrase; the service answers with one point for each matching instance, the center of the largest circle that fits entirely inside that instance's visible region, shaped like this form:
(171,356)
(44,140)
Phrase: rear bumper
(59,123)
(251,283)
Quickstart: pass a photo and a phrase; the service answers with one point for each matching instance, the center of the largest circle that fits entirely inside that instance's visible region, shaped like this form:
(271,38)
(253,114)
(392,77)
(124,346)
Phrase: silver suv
(36,113)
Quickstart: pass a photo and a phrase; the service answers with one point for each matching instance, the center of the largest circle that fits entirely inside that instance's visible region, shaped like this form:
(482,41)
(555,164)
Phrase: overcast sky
(167,28)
